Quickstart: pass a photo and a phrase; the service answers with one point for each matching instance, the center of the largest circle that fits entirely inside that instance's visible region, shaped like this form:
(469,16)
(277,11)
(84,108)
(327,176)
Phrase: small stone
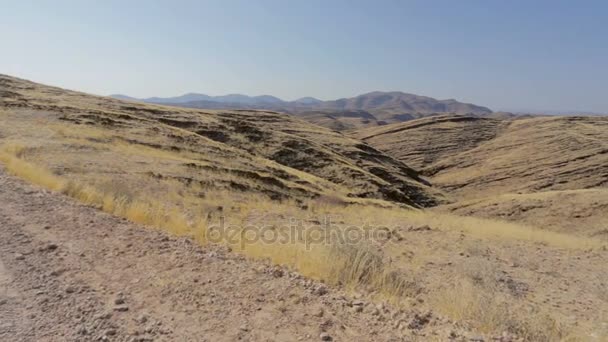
(325,337)
(110,332)
(105,315)
(142,319)
(476,339)
(83,331)
(47,227)
(19,256)
(70,289)
(119,301)
(278,272)
(320,290)
(121,308)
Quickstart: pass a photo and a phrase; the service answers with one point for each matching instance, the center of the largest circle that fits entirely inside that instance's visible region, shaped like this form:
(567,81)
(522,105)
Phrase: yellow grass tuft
(486,309)
(147,212)
(10,156)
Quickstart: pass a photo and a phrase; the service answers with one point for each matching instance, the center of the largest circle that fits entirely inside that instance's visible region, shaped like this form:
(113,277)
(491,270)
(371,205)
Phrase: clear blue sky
(529,55)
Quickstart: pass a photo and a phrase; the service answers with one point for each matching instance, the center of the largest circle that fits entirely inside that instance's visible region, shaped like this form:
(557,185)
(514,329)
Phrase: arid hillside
(260,152)
(426,141)
(341,120)
(547,172)
(479,157)
(580,212)
(322,233)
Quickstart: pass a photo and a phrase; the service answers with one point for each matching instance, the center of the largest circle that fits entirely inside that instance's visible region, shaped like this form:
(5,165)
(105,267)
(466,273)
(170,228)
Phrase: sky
(507,55)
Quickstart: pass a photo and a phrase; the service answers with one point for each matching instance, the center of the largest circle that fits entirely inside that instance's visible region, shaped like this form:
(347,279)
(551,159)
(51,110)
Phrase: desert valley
(384,217)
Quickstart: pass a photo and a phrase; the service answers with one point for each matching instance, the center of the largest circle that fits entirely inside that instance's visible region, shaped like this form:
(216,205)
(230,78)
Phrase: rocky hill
(261,152)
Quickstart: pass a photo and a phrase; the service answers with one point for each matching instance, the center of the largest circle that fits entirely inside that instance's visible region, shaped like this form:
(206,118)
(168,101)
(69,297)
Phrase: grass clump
(486,309)
(148,212)
(11,154)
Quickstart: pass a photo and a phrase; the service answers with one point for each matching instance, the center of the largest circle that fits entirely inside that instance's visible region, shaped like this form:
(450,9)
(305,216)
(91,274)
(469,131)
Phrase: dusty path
(69,272)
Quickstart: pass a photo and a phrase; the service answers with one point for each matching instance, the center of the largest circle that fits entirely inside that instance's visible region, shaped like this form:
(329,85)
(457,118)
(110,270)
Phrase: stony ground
(71,273)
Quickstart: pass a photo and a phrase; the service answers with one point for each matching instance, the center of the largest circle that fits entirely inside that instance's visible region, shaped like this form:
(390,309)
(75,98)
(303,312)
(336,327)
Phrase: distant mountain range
(229,100)
(371,109)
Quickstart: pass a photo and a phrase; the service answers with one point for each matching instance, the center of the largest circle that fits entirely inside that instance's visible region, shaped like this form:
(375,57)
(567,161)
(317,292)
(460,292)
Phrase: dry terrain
(247,151)
(514,248)
(479,157)
(69,272)
(549,172)
(580,212)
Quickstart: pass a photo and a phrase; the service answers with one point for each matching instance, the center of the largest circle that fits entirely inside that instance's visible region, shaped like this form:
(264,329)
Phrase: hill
(260,152)
(426,141)
(341,120)
(549,172)
(472,157)
(395,106)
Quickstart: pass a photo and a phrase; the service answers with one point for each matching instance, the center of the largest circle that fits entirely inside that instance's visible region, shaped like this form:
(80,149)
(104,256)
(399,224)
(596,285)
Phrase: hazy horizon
(543,56)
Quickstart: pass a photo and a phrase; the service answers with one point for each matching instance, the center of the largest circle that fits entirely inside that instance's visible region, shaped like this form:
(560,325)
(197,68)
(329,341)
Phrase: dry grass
(149,212)
(10,156)
(488,310)
(353,266)
(477,227)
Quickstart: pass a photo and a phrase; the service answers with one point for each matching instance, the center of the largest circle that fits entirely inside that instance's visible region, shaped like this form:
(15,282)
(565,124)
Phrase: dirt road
(71,273)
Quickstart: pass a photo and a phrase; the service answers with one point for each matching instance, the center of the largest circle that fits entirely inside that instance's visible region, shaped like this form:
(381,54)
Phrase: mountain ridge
(374,108)
(381,100)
